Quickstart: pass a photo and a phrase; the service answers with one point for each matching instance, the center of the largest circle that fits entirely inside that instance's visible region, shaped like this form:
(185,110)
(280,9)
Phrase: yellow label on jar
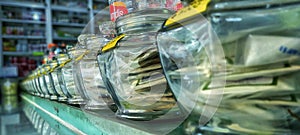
(46,69)
(82,55)
(64,63)
(39,73)
(112,43)
(196,7)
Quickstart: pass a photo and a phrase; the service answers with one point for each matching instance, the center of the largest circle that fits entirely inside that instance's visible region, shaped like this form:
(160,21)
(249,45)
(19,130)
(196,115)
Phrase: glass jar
(37,83)
(33,82)
(54,71)
(88,74)
(131,68)
(49,82)
(122,7)
(43,85)
(66,77)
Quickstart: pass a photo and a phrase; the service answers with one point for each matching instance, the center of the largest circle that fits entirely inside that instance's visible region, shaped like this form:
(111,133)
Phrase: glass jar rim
(143,16)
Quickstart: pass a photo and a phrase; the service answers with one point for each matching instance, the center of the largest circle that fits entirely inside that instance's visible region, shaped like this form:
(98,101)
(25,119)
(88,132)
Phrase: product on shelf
(158,66)
(131,69)
(24,64)
(122,7)
(70,17)
(21,31)
(71,3)
(54,71)
(23,14)
(87,73)
(66,78)
(261,66)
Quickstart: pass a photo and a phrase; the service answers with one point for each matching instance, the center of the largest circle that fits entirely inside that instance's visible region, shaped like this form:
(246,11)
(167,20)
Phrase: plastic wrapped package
(244,4)
(264,49)
(232,25)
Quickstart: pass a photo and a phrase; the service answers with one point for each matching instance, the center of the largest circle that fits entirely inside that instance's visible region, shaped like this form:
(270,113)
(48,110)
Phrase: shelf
(22,37)
(22,4)
(101,1)
(22,21)
(17,53)
(102,12)
(63,8)
(96,11)
(69,24)
(23,53)
(65,38)
(73,120)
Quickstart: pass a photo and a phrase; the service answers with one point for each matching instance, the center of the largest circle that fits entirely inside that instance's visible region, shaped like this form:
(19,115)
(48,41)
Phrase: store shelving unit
(22,4)
(22,21)
(66,119)
(48,8)
(9,6)
(22,37)
(69,24)
(63,8)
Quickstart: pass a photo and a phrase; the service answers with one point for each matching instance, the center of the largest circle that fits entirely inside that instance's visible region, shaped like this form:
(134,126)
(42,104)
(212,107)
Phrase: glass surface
(88,74)
(43,84)
(66,78)
(50,86)
(133,74)
(260,70)
(62,96)
(37,86)
(46,129)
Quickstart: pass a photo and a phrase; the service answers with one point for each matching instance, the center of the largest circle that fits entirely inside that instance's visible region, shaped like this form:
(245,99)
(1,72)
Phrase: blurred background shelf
(23,53)
(22,37)
(22,4)
(69,24)
(65,38)
(64,8)
(51,18)
(22,21)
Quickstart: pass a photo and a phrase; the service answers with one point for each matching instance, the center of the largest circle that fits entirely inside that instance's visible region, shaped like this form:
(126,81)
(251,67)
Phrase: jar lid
(92,41)
(150,19)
